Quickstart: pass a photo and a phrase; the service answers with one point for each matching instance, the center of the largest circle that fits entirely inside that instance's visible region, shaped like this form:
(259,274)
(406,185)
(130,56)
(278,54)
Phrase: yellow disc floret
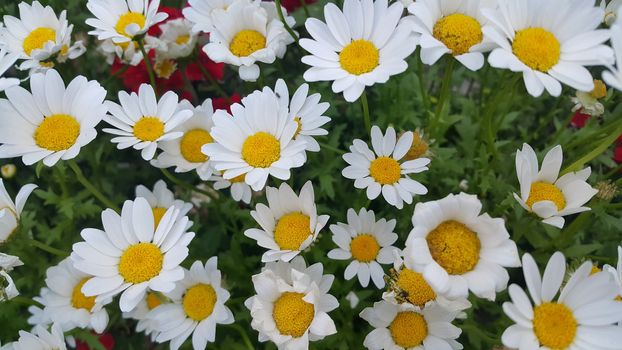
(542,191)
(261,150)
(79,300)
(153,300)
(292,315)
(140,262)
(600,89)
(385,170)
(454,246)
(417,291)
(458,32)
(191,143)
(182,39)
(165,68)
(57,132)
(538,48)
(297,120)
(37,38)
(364,248)
(554,325)
(291,230)
(158,213)
(127,19)
(247,41)
(199,301)
(418,149)
(408,329)
(148,129)
(359,57)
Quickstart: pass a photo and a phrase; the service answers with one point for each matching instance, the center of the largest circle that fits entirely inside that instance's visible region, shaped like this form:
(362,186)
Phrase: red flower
(106,339)
(293,5)
(224,103)
(579,119)
(617,154)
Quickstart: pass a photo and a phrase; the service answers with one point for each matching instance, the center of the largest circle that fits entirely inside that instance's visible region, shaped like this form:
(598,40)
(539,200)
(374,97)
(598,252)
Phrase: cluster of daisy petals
(454,251)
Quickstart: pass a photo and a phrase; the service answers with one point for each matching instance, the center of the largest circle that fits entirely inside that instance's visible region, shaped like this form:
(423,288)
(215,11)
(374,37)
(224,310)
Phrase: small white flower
(123,20)
(405,327)
(197,307)
(8,290)
(306,111)
(587,102)
(292,304)
(141,121)
(40,339)
(240,190)
(365,43)
(145,325)
(51,122)
(7,60)
(10,213)
(546,194)
(132,255)
(246,33)
(457,249)
(367,242)
(199,12)
(8,262)
(161,199)
(381,170)
(177,38)
(613,76)
(289,223)
(611,10)
(581,317)
(127,52)
(184,153)
(353,299)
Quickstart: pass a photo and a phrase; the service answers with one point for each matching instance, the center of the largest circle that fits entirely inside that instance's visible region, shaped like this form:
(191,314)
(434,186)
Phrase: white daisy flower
(546,194)
(40,339)
(177,38)
(611,10)
(240,190)
(616,273)
(246,33)
(588,102)
(613,76)
(141,121)
(10,211)
(306,111)
(452,27)
(161,199)
(367,242)
(131,255)
(258,140)
(184,153)
(199,12)
(405,327)
(127,52)
(51,122)
(548,42)
(66,305)
(581,317)
(145,325)
(457,249)
(198,306)
(39,36)
(289,223)
(362,45)
(291,305)
(382,170)
(37,316)
(7,60)
(8,290)
(123,20)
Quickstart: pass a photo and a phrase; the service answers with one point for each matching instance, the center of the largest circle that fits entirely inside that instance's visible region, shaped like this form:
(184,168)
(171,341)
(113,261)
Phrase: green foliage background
(57,212)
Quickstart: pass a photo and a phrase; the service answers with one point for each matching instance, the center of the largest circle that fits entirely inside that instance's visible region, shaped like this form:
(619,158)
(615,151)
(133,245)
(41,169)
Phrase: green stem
(244,336)
(90,187)
(445,89)
(141,46)
(47,248)
(490,130)
(279,11)
(366,118)
(26,301)
(116,74)
(331,148)
(422,87)
(596,151)
(188,85)
(184,184)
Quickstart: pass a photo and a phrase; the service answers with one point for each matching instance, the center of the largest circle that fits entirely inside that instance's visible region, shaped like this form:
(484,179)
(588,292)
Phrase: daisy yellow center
(600,89)
(148,129)
(291,230)
(408,329)
(537,48)
(127,19)
(79,300)
(199,301)
(247,41)
(454,246)
(359,57)
(385,170)
(554,325)
(57,132)
(140,263)
(261,150)
(418,291)
(190,145)
(37,38)
(542,191)
(418,149)
(165,68)
(239,178)
(153,300)
(292,315)
(364,248)
(182,39)
(595,270)
(458,32)
(158,213)
(299,126)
